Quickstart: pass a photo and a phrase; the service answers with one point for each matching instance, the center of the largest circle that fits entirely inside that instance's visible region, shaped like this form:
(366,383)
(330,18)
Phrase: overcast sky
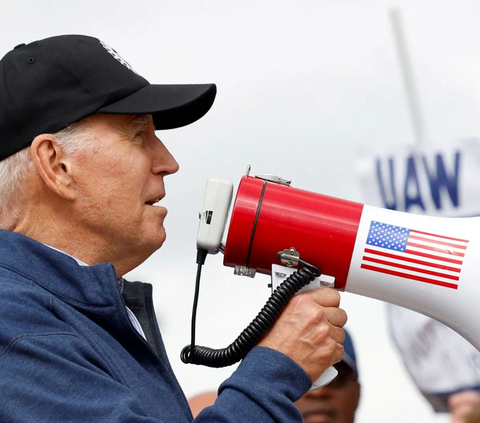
(303,87)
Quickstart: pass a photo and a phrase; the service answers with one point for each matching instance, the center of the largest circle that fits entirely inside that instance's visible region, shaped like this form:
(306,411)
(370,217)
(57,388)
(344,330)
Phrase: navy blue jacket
(69,353)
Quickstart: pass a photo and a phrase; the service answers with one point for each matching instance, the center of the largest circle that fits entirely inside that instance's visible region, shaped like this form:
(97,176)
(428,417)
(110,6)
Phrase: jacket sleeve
(56,378)
(261,390)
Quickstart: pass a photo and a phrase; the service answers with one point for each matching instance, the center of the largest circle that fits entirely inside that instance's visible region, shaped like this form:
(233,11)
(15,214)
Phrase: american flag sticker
(412,254)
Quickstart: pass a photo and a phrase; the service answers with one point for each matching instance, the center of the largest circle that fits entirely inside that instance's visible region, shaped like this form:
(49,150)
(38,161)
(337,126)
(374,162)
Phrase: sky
(304,87)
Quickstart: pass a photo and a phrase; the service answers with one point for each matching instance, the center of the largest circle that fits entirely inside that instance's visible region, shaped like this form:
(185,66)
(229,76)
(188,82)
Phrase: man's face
(118,180)
(334,403)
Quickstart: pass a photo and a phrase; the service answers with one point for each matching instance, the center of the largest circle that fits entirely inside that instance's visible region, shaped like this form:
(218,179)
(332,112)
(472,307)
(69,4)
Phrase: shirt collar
(82,263)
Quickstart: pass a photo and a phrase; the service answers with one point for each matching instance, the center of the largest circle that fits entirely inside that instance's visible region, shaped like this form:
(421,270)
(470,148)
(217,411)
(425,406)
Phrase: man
(338,401)
(464,406)
(81,173)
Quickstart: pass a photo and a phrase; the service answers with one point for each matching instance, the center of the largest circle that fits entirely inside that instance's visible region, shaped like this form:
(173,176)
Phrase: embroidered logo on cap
(117,56)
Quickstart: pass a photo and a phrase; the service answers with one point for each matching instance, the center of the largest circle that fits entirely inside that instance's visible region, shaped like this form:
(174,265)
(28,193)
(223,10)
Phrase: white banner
(437,179)
(438,359)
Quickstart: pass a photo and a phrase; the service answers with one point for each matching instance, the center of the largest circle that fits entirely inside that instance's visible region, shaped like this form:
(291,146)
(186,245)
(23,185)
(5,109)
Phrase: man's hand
(309,331)
(461,405)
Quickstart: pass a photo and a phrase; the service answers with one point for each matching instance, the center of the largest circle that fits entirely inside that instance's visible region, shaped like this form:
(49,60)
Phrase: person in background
(473,415)
(200,401)
(464,407)
(338,401)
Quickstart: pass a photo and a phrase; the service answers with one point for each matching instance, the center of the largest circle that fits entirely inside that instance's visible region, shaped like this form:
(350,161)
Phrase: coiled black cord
(256,330)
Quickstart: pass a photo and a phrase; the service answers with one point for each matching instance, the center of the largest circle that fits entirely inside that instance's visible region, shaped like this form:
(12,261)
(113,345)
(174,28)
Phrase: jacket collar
(83,286)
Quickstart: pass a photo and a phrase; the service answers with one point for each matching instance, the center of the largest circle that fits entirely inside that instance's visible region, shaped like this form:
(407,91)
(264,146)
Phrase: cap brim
(172,106)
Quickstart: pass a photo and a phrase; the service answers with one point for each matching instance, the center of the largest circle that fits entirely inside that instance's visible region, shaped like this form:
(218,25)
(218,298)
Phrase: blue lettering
(411,184)
(392,205)
(443,180)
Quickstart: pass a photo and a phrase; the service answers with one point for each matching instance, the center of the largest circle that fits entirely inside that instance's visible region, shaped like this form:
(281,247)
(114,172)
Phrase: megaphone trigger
(280,273)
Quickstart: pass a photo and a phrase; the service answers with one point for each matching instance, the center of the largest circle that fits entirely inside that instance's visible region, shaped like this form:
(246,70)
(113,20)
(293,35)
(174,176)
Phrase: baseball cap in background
(349,357)
(49,84)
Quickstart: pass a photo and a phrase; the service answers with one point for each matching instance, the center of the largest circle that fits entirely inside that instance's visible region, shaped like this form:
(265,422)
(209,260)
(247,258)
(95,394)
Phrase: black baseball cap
(49,84)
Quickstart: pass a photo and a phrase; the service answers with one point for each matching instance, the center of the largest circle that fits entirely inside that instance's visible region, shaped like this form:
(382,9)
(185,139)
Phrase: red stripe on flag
(440,236)
(412,260)
(433,241)
(438,250)
(411,268)
(407,276)
(431,256)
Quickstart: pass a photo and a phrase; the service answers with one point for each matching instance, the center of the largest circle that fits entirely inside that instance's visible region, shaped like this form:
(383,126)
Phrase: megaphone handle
(326,377)
(256,330)
(279,274)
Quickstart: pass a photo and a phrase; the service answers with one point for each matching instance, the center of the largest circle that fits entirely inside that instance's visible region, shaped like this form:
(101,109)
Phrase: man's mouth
(319,415)
(154,201)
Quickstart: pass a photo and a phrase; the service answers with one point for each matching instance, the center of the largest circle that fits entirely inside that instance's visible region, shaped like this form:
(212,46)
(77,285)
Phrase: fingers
(337,334)
(329,299)
(336,316)
(461,403)
(326,297)
(309,330)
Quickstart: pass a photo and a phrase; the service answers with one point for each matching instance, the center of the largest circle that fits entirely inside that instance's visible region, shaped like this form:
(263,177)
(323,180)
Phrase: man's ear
(53,166)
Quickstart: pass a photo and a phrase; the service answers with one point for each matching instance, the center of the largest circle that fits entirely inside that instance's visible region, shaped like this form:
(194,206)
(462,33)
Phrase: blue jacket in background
(69,353)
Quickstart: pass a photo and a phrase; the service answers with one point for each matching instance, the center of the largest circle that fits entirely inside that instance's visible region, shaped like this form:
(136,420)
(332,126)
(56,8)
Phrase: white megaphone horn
(426,264)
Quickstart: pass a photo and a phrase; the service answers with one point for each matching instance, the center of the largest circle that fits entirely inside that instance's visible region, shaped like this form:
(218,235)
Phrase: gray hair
(14,169)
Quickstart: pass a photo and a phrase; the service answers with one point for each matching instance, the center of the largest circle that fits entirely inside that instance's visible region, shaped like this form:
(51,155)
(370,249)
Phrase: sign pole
(407,73)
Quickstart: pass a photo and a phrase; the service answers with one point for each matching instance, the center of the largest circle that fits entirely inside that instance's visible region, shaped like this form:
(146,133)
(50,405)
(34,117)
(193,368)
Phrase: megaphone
(426,264)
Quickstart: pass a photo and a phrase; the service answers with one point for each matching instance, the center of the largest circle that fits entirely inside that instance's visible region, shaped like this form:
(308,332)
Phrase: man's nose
(163,161)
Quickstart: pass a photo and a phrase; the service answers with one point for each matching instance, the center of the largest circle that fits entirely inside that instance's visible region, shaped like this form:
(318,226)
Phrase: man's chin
(157,241)
(152,241)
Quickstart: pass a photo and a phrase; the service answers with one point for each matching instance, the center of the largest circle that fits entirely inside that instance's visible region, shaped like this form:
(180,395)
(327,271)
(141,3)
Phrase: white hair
(13,169)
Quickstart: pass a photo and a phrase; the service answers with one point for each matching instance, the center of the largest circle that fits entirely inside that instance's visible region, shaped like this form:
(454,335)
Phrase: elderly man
(81,173)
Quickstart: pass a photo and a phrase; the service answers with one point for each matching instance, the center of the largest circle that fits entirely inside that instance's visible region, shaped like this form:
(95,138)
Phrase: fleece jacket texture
(69,353)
